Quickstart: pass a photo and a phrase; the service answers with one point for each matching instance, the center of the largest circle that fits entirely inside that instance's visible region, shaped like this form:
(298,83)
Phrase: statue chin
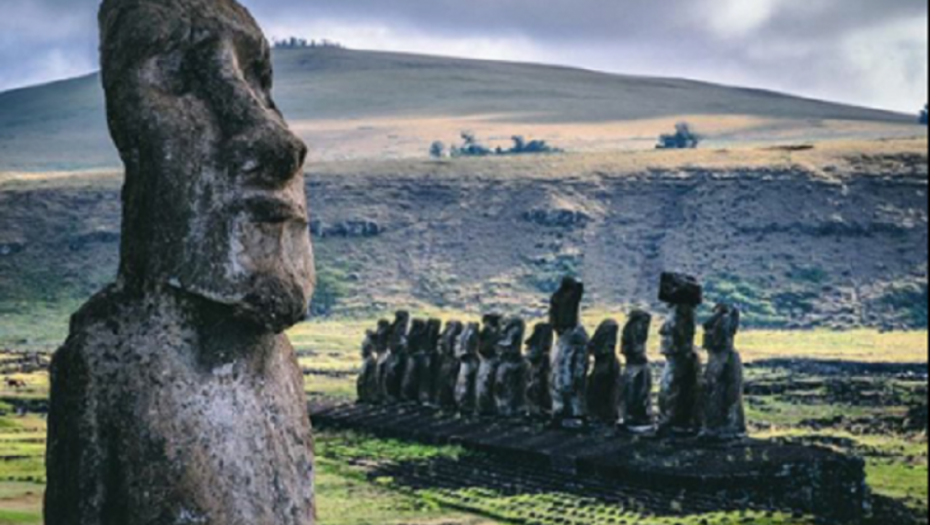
(273,304)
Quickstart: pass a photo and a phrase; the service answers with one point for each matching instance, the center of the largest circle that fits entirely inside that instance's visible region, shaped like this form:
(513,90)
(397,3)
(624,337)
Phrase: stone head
(418,337)
(399,332)
(383,335)
(721,329)
(369,346)
(214,198)
(450,338)
(433,335)
(539,345)
(469,341)
(678,331)
(636,335)
(604,342)
(564,312)
(512,338)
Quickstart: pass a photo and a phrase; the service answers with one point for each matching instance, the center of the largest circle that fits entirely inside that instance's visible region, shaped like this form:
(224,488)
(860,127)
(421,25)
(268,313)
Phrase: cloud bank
(865,52)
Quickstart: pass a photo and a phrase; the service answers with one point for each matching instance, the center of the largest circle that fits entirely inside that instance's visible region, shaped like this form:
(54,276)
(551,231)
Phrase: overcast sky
(866,52)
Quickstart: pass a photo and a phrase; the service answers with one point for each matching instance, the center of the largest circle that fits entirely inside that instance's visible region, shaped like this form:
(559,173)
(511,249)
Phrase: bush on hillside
(473,148)
(684,138)
(303,43)
(437,150)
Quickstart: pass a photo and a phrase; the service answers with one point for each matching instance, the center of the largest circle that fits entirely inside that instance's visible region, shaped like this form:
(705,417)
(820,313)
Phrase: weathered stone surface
(680,393)
(510,389)
(724,412)
(394,362)
(565,306)
(428,363)
(466,396)
(570,361)
(177,398)
(570,364)
(539,361)
(636,390)
(367,389)
(416,351)
(489,362)
(604,383)
(680,289)
(449,365)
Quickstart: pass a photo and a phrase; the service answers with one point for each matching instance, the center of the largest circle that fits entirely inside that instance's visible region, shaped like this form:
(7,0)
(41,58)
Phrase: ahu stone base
(788,477)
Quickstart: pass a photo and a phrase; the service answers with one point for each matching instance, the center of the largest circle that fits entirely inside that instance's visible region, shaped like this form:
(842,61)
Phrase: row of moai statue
(565,375)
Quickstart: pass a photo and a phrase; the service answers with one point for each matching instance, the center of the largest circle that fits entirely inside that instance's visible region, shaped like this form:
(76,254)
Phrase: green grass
(896,464)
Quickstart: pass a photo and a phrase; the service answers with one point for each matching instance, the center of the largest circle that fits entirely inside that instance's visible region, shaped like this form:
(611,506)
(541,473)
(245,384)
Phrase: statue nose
(269,155)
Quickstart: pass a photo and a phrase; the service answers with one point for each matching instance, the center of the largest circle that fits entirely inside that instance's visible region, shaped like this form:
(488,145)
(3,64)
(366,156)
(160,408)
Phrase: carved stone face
(564,312)
(604,342)
(678,331)
(721,329)
(636,335)
(214,201)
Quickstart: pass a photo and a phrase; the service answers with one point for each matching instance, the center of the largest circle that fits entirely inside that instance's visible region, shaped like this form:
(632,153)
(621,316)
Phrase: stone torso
(724,415)
(681,391)
(570,364)
(151,415)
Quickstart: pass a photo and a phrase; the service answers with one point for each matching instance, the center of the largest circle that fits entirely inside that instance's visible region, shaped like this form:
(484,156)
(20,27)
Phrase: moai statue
(177,397)
(724,412)
(570,361)
(416,348)
(604,382)
(539,370)
(636,386)
(447,372)
(382,342)
(489,362)
(367,378)
(394,364)
(466,394)
(510,388)
(428,363)
(680,395)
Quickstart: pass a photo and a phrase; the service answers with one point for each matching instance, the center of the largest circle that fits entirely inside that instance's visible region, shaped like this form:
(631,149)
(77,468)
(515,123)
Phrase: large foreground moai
(570,360)
(177,398)
(636,385)
(724,412)
(680,395)
(604,382)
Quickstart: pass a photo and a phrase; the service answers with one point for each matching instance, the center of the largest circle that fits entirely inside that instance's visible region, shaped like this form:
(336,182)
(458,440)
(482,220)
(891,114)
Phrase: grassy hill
(835,236)
(370,105)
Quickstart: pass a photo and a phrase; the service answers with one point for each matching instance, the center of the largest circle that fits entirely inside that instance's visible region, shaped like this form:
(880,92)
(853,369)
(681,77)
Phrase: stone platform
(787,477)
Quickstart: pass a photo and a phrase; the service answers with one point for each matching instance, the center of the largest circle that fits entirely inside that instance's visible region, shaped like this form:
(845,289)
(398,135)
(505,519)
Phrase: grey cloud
(800,45)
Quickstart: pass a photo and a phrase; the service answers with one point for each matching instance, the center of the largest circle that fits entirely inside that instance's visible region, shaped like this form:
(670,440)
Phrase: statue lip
(269,209)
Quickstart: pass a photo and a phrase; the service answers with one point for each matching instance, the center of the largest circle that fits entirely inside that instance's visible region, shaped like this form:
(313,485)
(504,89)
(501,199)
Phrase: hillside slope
(356,104)
(798,239)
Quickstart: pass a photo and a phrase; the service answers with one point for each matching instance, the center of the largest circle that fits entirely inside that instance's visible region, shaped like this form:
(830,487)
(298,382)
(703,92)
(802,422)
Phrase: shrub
(437,150)
(472,148)
(684,138)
